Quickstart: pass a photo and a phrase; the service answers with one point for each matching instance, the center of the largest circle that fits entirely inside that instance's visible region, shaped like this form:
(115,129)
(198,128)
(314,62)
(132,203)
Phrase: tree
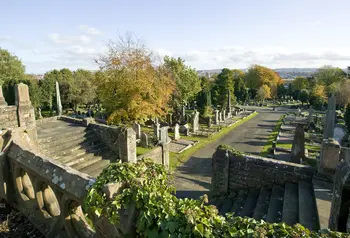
(347,117)
(222,85)
(317,96)
(342,92)
(300,83)
(82,88)
(47,85)
(304,96)
(204,97)
(281,91)
(65,80)
(329,75)
(11,71)
(258,75)
(186,79)
(240,90)
(264,92)
(131,85)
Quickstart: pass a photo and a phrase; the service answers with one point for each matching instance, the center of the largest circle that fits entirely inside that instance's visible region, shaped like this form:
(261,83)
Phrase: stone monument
(58,100)
(298,147)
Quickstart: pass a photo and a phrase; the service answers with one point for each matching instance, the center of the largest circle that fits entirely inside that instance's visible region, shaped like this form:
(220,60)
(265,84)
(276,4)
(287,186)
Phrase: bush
(161,214)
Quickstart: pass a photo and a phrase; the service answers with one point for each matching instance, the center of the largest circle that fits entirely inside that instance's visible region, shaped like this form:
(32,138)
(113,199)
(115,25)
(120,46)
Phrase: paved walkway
(193,178)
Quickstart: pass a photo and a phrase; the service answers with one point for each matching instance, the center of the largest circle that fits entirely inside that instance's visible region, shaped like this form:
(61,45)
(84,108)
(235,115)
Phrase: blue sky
(207,34)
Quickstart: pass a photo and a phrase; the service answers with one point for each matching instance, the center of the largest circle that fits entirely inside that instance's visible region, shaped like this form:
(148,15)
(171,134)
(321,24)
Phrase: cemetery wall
(234,170)
(8,117)
(159,155)
(107,134)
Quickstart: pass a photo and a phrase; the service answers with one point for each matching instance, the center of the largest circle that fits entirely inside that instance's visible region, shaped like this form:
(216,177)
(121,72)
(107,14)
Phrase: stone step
(307,206)
(87,162)
(59,134)
(274,213)
(101,166)
(239,203)
(95,149)
(79,159)
(77,149)
(79,135)
(81,141)
(250,204)
(290,213)
(262,204)
(226,206)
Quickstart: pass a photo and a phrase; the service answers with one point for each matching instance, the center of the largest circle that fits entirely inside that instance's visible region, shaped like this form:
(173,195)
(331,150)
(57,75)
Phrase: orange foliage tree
(130,83)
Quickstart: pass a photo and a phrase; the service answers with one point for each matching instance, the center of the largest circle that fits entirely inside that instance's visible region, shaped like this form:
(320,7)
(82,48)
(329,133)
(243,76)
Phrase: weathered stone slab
(177,132)
(144,140)
(298,147)
(329,158)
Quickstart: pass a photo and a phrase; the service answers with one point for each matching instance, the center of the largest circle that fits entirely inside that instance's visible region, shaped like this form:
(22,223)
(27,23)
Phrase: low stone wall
(50,195)
(107,134)
(8,117)
(159,155)
(234,170)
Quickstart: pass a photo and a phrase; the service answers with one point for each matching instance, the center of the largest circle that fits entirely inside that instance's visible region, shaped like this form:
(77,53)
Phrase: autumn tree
(131,85)
(264,92)
(328,76)
(318,96)
(342,92)
(186,80)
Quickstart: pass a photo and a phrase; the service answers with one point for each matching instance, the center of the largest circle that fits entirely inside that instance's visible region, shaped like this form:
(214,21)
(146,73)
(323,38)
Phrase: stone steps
(74,146)
(291,203)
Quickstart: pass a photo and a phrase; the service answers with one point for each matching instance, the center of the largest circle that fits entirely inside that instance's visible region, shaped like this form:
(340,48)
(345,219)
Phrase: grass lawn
(308,147)
(272,137)
(176,159)
(141,150)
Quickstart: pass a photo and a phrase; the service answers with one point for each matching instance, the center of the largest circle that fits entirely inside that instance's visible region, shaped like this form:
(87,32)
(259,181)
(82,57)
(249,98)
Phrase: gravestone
(330,118)
(58,100)
(177,132)
(156,128)
(184,129)
(170,119)
(229,107)
(310,116)
(339,133)
(220,116)
(298,147)
(163,135)
(195,121)
(216,117)
(330,155)
(137,129)
(144,140)
(183,113)
(3,103)
(224,114)
(127,146)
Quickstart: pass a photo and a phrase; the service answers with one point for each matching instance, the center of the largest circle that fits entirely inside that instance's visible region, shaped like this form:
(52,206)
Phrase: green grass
(176,159)
(141,150)
(308,147)
(272,137)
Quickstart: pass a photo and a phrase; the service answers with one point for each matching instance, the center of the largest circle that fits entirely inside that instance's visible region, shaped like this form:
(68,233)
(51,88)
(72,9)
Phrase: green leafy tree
(66,83)
(300,83)
(83,90)
(281,91)
(328,76)
(240,90)
(264,92)
(304,96)
(203,98)
(11,72)
(47,86)
(186,79)
(223,83)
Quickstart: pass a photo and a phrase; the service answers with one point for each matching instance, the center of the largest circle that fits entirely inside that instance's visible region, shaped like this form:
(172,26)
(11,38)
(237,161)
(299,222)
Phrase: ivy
(161,214)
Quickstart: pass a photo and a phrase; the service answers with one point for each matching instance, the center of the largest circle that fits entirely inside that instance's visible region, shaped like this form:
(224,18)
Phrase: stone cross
(137,129)
(144,140)
(3,103)
(195,121)
(298,147)
(216,117)
(177,132)
(156,128)
(58,99)
(330,118)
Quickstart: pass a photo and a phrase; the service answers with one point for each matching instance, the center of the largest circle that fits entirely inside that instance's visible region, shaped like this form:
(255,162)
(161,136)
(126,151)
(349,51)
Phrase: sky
(207,34)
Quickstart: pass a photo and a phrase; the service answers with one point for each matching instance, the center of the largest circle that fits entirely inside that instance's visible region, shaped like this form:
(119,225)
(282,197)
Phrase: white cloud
(89,30)
(69,40)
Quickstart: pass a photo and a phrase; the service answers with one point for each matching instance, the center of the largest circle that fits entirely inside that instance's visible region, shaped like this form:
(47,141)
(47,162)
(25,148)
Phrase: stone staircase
(74,146)
(291,203)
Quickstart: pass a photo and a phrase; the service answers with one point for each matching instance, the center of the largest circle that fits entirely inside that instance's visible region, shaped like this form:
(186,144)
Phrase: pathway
(193,178)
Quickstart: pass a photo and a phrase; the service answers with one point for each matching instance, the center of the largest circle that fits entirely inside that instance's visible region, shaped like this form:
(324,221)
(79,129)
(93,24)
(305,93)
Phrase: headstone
(224,115)
(330,155)
(216,117)
(163,134)
(339,134)
(137,129)
(229,107)
(39,112)
(183,112)
(184,129)
(127,146)
(298,147)
(3,103)
(298,112)
(58,100)
(177,132)
(330,118)
(311,114)
(156,128)
(170,119)
(144,140)
(220,116)
(195,122)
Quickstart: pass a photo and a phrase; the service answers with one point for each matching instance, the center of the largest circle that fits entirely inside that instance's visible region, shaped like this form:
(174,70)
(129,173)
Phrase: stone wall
(159,155)
(233,170)
(8,117)
(107,134)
